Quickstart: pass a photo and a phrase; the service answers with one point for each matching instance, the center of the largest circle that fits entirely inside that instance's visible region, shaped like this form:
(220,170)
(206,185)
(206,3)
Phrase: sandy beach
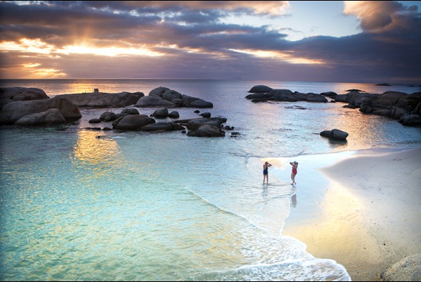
(368,217)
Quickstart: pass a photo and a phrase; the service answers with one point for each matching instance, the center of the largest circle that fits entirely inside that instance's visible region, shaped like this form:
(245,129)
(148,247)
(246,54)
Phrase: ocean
(78,204)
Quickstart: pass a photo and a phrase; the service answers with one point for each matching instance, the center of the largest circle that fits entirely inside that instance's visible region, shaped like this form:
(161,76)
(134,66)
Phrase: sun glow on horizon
(40,47)
(108,51)
(278,55)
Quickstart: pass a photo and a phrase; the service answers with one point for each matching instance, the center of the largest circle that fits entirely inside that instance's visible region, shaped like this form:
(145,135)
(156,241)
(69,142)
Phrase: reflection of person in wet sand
(294,200)
(266,173)
(294,172)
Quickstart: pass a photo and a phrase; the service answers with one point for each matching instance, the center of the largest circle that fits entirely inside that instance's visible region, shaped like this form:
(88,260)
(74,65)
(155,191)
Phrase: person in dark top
(266,173)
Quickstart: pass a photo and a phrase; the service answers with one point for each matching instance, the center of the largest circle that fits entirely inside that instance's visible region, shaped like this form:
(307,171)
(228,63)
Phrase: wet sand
(366,214)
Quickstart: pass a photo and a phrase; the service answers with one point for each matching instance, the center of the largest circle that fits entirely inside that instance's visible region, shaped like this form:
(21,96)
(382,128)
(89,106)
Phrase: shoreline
(364,211)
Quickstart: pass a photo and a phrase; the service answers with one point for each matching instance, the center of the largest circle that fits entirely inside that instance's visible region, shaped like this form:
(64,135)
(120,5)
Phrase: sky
(331,41)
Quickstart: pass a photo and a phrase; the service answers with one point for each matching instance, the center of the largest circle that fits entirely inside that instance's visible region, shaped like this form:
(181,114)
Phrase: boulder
(260,89)
(206,115)
(172,96)
(11,94)
(207,130)
(194,124)
(162,126)
(108,116)
(174,114)
(132,122)
(19,109)
(407,269)
(51,116)
(161,113)
(199,103)
(153,101)
(95,120)
(355,99)
(335,134)
(343,98)
(4,119)
(104,100)
(329,94)
(165,97)
(158,91)
(129,112)
(410,119)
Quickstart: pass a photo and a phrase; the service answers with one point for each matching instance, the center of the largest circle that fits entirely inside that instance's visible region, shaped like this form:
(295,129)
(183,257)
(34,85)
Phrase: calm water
(87,205)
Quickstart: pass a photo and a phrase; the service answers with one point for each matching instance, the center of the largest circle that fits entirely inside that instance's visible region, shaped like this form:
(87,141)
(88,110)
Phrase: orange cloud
(379,16)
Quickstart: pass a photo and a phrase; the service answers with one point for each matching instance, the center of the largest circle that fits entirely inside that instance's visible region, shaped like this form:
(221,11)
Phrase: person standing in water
(294,172)
(266,173)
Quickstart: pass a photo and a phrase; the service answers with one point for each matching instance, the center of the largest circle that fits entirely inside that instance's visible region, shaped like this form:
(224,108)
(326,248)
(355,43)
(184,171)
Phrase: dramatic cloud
(171,39)
(378,16)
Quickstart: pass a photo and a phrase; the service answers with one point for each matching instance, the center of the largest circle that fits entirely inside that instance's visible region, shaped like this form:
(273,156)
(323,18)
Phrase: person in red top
(294,172)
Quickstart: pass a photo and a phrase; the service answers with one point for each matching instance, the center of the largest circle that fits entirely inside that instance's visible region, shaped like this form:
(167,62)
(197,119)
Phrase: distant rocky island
(406,108)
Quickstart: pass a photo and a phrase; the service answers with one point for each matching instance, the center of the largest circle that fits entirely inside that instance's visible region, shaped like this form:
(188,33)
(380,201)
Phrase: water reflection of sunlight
(363,130)
(93,150)
(80,87)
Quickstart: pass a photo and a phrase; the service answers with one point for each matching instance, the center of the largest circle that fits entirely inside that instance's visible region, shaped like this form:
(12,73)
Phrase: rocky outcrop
(354,98)
(12,94)
(285,95)
(205,127)
(132,122)
(165,97)
(401,106)
(49,117)
(104,100)
(335,134)
(152,101)
(407,269)
(162,126)
(329,94)
(260,89)
(17,110)
(207,130)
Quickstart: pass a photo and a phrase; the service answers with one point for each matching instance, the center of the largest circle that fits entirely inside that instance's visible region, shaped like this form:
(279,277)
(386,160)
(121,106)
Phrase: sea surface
(77,204)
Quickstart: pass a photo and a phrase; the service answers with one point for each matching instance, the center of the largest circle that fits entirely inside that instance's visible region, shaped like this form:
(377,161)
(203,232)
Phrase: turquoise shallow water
(87,205)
